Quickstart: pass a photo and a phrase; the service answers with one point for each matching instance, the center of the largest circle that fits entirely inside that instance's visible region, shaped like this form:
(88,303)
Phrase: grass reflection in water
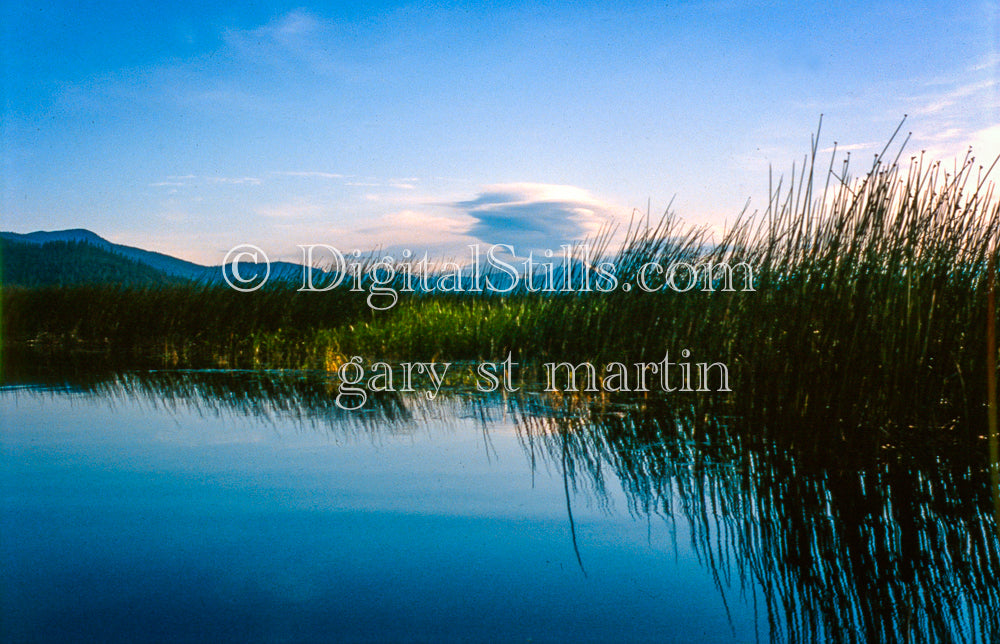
(854,534)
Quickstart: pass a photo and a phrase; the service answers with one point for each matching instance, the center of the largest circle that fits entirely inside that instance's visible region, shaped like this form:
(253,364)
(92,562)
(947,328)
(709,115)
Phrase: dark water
(200,506)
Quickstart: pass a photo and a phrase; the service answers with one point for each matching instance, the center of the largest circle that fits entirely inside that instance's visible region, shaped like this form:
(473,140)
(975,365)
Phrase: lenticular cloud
(533,215)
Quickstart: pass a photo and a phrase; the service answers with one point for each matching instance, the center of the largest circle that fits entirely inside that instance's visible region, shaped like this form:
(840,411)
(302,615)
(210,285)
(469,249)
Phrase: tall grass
(869,304)
(178,325)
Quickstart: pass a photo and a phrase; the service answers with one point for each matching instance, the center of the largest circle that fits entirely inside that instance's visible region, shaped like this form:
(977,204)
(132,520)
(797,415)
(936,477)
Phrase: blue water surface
(127,518)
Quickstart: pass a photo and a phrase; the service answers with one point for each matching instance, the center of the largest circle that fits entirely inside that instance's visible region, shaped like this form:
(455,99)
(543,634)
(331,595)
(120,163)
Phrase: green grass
(870,304)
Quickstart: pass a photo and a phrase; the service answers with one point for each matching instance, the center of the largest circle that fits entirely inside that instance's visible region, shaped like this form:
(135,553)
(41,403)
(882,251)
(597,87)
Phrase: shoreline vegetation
(869,307)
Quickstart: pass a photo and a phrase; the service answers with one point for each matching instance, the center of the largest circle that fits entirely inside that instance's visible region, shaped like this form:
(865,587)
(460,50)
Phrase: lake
(246,506)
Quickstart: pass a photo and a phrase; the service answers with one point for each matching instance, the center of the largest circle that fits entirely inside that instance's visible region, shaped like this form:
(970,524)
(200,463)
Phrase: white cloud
(312,173)
(415,229)
(957,95)
(537,215)
(252,181)
(298,41)
(853,147)
(955,143)
(963,111)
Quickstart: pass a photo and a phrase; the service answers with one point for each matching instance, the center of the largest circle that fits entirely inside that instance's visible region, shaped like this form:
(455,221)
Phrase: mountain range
(79,256)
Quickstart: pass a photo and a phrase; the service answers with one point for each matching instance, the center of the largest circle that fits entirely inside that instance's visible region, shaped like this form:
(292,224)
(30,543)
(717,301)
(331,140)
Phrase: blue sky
(188,127)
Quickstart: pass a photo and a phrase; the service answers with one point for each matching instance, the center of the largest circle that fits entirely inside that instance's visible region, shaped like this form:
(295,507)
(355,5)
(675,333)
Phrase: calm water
(200,506)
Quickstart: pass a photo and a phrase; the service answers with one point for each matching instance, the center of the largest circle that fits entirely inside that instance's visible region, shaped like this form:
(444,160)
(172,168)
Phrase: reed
(867,306)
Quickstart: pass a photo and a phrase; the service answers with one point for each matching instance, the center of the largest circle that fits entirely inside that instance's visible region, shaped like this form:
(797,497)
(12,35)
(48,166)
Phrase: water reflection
(860,536)
(897,545)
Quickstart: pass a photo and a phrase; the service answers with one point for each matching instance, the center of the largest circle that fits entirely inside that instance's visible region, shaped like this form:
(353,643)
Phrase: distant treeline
(70,264)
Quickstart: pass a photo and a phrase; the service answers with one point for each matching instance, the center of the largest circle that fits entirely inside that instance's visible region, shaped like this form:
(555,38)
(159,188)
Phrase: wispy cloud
(254,71)
(312,174)
(438,232)
(991,62)
(982,144)
(190,179)
(398,184)
(251,181)
(854,147)
(959,112)
(957,95)
(406,183)
(297,39)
